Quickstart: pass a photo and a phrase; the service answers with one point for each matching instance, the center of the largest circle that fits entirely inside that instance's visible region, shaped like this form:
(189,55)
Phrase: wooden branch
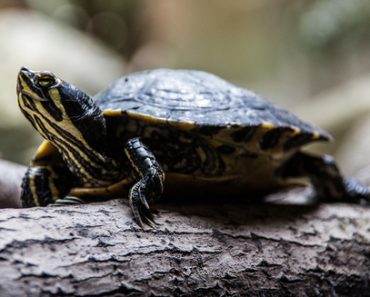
(199,249)
(10,180)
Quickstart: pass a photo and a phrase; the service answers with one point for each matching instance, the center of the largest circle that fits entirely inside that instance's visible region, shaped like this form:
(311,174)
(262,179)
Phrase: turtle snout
(23,77)
(24,73)
(24,69)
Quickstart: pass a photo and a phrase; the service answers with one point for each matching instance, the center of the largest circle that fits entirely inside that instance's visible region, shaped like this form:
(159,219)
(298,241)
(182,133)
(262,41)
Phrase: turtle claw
(152,224)
(149,220)
(140,208)
(143,216)
(145,202)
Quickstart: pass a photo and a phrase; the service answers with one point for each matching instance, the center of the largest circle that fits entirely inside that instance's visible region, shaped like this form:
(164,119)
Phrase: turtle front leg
(326,178)
(150,185)
(44,184)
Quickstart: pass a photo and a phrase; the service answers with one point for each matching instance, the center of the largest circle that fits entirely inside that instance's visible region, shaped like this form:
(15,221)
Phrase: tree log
(198,249)
(10,181)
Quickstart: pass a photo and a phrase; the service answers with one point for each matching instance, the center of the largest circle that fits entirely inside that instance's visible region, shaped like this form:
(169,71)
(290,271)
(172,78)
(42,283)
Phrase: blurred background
(310,56)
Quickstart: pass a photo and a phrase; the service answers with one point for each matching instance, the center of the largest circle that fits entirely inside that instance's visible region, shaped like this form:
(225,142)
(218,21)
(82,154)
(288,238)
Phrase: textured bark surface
(198,249)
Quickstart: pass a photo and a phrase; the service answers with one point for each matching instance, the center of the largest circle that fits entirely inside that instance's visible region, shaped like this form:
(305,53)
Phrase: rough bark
(198,249)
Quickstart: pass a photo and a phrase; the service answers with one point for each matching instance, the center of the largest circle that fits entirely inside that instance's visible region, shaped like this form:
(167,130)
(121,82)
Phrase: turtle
(149,131)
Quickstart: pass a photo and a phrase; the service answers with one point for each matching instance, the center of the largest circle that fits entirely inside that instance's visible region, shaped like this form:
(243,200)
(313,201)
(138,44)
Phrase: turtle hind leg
(44,184)
(326,178)
(149,187)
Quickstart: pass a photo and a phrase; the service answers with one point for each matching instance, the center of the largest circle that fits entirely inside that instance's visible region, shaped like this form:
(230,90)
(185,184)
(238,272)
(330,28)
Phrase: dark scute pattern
(243,134)
(197,97)
(208,130)
(271,138)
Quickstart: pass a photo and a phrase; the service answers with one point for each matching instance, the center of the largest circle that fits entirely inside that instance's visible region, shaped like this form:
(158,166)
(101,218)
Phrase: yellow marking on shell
(156,120)
(184,125)
(296,131)
(316,135)
(112,112)
(267,126)
(146,118)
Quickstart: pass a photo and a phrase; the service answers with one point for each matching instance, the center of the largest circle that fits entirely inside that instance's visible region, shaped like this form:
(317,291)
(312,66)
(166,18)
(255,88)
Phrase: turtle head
(60,112)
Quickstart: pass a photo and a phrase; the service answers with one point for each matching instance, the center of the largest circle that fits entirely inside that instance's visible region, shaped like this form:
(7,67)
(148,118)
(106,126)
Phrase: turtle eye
(45,81)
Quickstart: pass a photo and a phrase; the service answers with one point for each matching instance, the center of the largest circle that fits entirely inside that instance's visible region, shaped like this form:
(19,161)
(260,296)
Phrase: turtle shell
(200,100)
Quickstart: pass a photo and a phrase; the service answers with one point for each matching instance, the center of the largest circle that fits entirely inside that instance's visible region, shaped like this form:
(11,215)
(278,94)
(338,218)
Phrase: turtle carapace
(201,132)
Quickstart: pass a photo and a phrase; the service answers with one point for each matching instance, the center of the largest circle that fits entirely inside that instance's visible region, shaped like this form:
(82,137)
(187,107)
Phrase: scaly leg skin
(149,187)
(43,185)
(326,178)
